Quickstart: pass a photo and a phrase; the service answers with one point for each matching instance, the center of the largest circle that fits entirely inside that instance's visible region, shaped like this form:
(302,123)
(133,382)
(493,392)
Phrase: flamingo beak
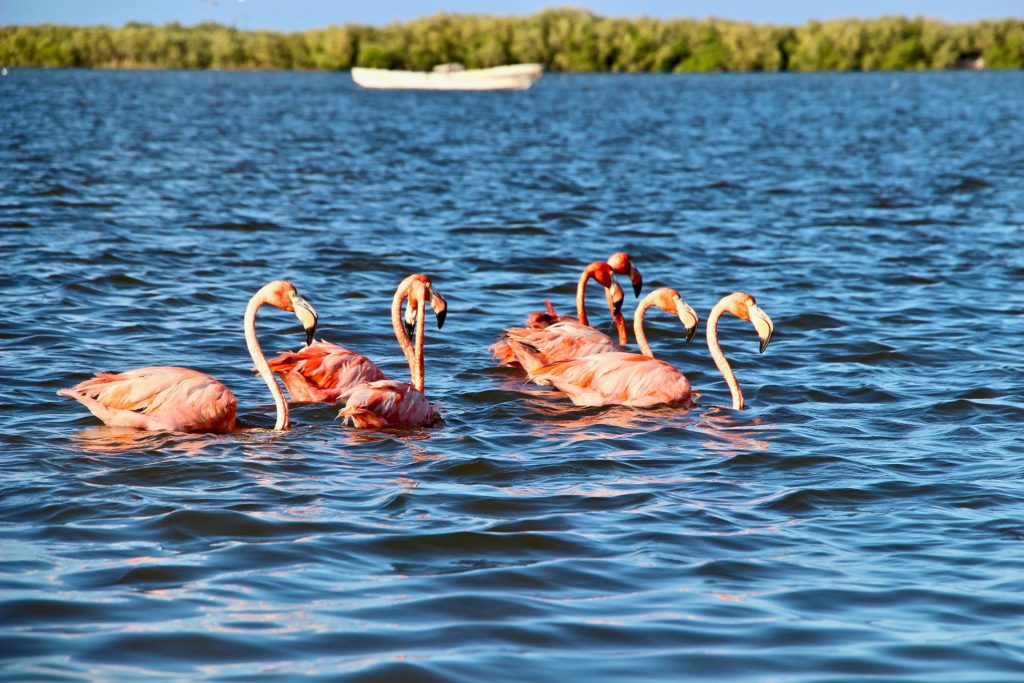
(410,318)
(762,324)
(688,317)
(306,315)
(637,279)
(440,306)
(615,298)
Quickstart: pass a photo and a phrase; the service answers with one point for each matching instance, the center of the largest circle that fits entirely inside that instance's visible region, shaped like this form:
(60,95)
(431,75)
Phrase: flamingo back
(617,378)
(561,341)
(388,403)
(158,398)
(323,372)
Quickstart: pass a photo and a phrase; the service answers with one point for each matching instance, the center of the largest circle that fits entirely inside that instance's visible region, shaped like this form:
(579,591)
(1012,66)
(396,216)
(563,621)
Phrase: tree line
(561,39)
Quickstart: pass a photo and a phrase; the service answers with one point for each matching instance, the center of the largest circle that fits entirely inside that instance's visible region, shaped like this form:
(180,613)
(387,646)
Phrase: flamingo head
(623,265)
(668,300)
(602,273)
(615,298)
(422,290)
(605,276)
(745,307)
(282,294)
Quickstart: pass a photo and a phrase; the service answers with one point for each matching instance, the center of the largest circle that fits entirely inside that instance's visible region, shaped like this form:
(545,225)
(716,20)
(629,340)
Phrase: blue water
(861,519)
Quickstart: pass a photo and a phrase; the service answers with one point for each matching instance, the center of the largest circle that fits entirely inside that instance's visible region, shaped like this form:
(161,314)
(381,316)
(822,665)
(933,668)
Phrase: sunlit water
(862,518)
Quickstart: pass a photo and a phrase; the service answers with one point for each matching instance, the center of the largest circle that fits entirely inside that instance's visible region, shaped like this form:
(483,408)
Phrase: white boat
(451,77)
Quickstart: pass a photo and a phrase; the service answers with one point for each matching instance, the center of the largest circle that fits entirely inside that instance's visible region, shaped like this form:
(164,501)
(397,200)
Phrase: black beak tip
(637,286)
(309,335)
(764,344)
(440,319)
(689,334)
(410,329)
(618,308)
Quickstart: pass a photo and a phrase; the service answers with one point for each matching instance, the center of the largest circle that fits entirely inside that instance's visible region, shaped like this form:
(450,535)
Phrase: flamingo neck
(620,322)
(261,362)
(638,328)
(418,376)
(581,295)
(720,360)
(399,325)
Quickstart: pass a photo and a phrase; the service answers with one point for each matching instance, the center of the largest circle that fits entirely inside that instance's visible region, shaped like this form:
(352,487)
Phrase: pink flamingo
(620,378)
(389,403)
(744,307)
(531,347)
(173,399)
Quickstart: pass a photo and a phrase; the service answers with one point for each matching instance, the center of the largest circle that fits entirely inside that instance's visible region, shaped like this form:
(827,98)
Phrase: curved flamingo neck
(581,295)
(620,322)
(260,361)
(399,325)
(719,357)
(418,375)
(638,327)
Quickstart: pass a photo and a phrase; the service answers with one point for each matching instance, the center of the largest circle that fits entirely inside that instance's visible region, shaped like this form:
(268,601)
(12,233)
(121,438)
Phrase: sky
(294,15)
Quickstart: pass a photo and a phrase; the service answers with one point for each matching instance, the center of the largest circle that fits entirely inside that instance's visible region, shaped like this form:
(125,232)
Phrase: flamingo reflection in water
(111,440)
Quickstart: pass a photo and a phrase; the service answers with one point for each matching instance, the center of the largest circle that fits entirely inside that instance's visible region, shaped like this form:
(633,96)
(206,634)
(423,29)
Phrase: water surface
(862,518)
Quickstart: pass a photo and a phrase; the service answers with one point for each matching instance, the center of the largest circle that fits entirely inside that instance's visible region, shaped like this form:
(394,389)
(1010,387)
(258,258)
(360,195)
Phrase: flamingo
(389,403)
(620,378)
(162,398)
(531,347)
(744,307)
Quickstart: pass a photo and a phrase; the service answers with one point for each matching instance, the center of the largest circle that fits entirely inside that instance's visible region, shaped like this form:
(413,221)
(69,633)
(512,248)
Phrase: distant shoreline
(564,40)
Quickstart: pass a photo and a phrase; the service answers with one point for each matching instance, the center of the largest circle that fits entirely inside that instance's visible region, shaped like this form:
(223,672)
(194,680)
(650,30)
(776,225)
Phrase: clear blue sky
(289,15)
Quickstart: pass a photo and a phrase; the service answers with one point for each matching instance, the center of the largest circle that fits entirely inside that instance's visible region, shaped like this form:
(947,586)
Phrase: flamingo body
(532,348)
(502,351)
(388,403)
(158,398)
(323,372)
(617,378)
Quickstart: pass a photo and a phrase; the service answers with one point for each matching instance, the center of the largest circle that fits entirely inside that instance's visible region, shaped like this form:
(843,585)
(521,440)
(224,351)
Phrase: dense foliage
(562,39)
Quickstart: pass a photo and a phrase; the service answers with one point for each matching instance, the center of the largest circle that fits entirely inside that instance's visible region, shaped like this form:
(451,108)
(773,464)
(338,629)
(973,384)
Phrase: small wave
(210,524)
(969,184)
(523,230)
(843,497)
(85,205)
(55,191)
(241,226)
(564,218)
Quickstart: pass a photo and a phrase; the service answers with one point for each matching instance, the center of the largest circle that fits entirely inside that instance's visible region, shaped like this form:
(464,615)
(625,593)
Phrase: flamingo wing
(158,398)
(560,341)
(388,403)
(323,372)
(617,378)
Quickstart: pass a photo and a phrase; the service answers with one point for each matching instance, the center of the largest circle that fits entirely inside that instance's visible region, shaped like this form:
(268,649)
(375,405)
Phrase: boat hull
(511,77)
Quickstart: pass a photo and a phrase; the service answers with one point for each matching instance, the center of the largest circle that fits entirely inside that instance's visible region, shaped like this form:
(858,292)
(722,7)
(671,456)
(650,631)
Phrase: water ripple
(861,518)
